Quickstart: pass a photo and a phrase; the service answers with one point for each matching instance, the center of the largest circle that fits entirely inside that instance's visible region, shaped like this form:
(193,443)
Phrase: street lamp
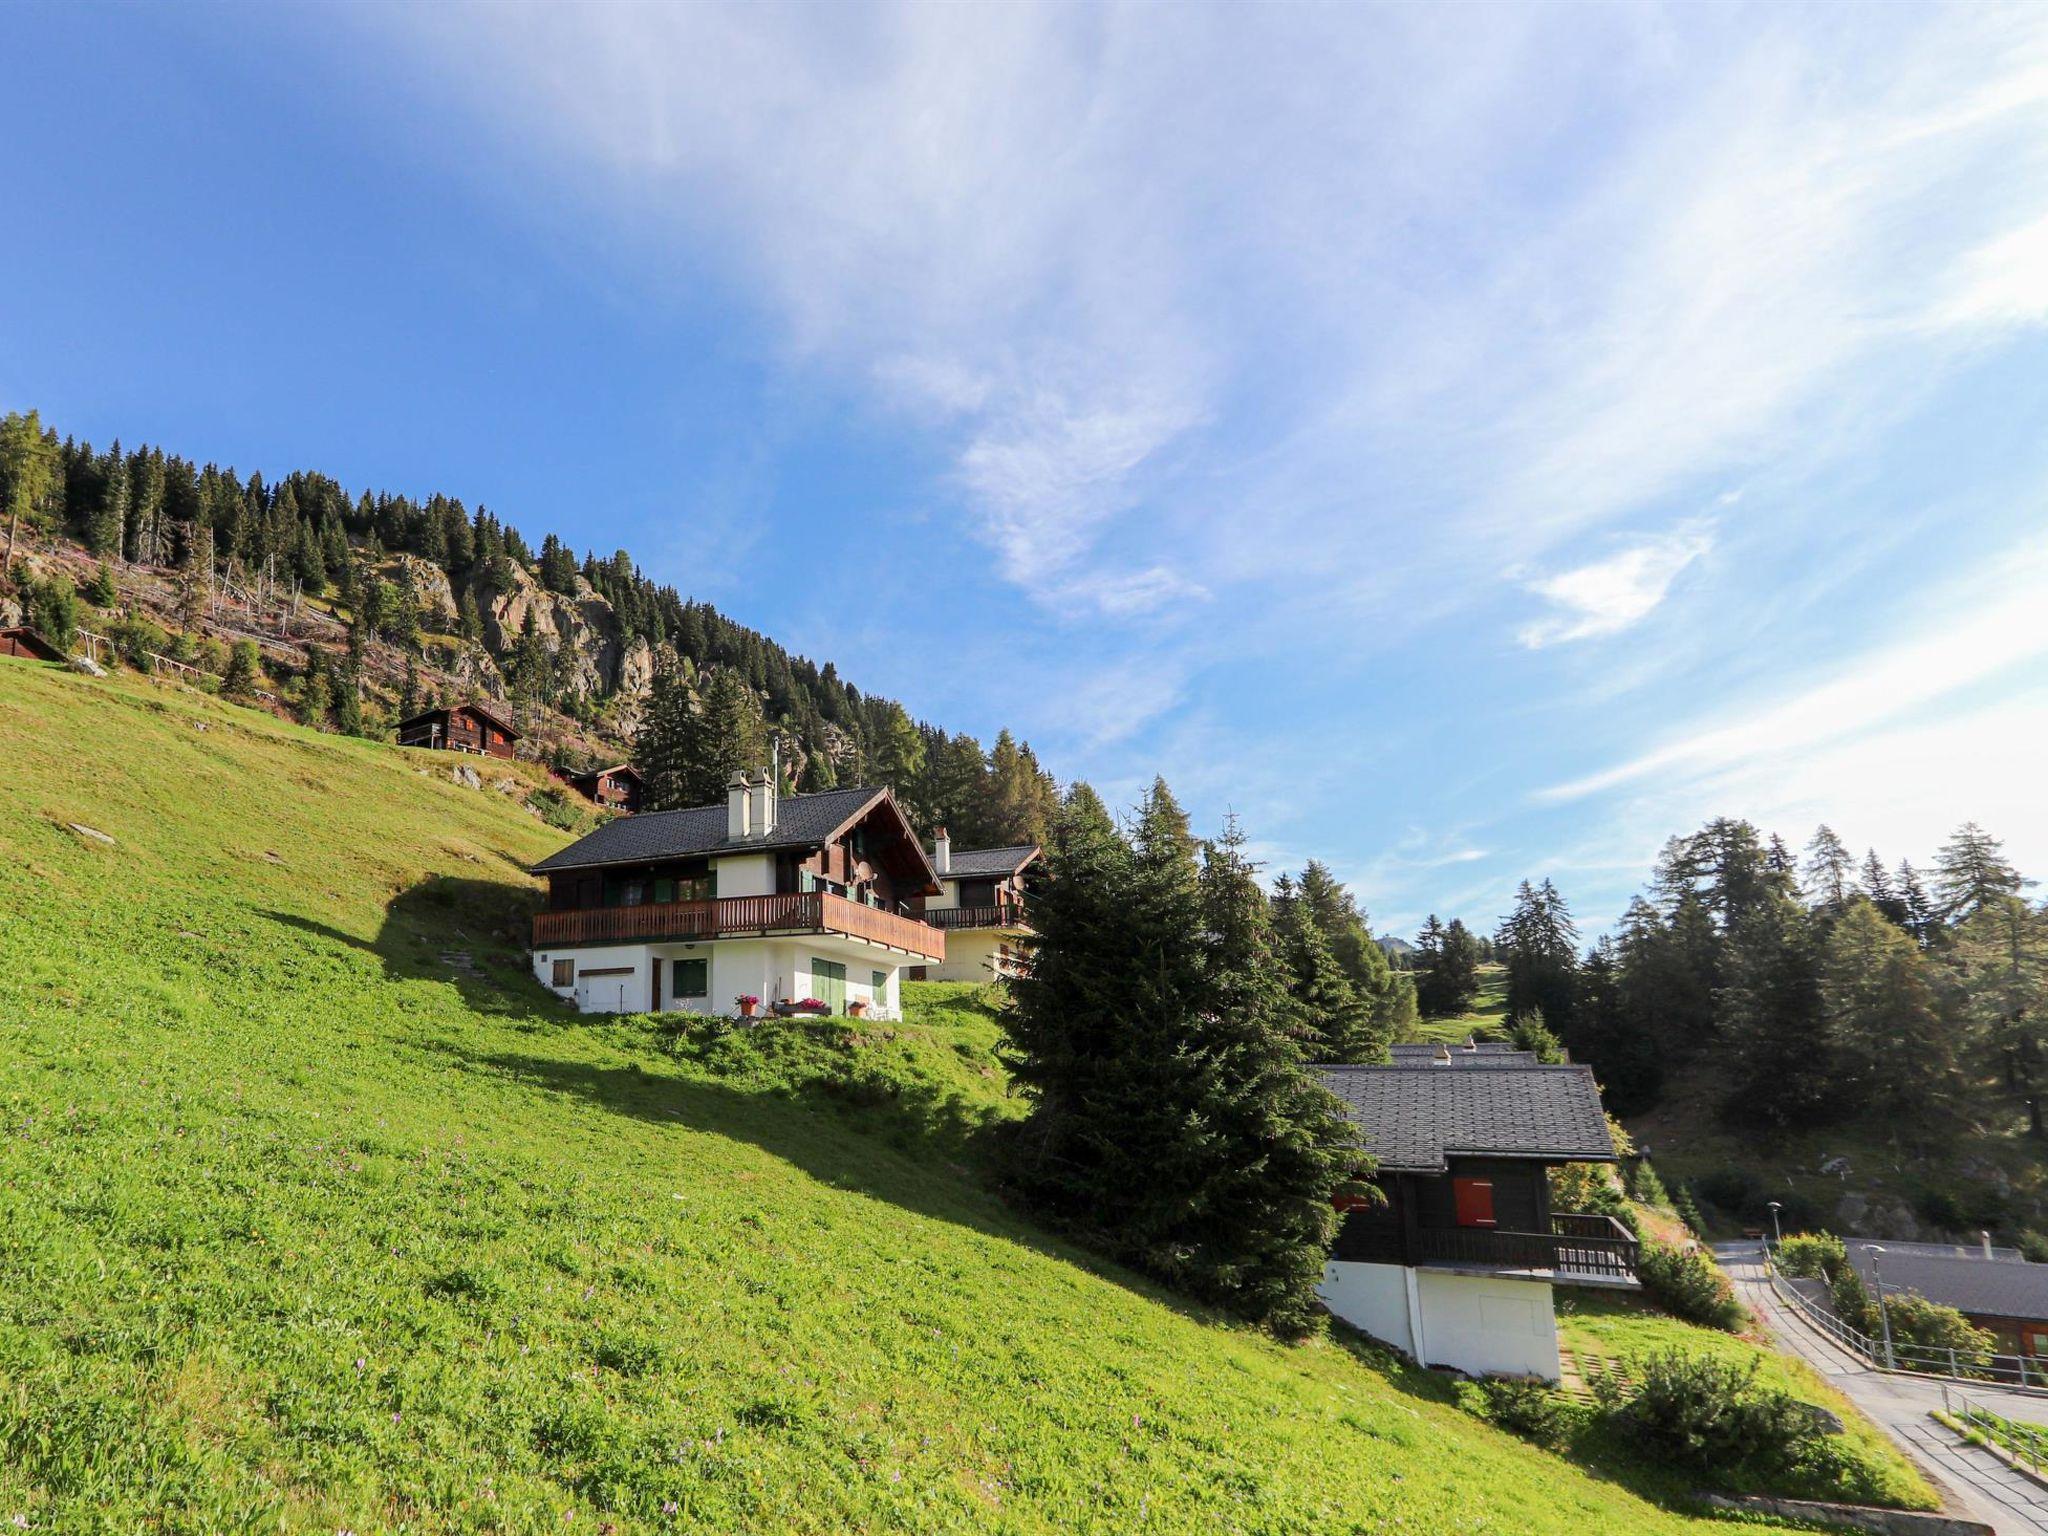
(1777,1232)
(1884,1315)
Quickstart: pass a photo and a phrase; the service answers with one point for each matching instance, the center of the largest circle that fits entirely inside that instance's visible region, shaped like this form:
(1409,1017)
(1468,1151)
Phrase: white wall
(1488,1324)
(746,874)
(771,969)
(1373,1297)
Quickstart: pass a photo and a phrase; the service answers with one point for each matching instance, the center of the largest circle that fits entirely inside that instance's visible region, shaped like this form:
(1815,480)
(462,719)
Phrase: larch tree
(1971,872)
(1830,874)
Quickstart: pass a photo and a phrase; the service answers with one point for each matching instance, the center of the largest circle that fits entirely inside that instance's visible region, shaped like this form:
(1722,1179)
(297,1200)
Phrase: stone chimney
(765,803)
(942,850)
(737,796)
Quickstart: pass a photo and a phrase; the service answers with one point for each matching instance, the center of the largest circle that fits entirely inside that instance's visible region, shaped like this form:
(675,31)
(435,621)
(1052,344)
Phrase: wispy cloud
(1614,594)
(1972,631)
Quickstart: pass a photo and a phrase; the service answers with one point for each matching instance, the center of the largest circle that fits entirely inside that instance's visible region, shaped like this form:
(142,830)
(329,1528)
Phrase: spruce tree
(661,750)
(318,696)
(1921,918)
(1971,872)
(242,676)
(1331,1022)
(727,736)
(108,520)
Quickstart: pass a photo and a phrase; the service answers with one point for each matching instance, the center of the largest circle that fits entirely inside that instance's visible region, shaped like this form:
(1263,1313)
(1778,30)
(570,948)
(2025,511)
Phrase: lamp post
(1884,1315)
(1777,1232)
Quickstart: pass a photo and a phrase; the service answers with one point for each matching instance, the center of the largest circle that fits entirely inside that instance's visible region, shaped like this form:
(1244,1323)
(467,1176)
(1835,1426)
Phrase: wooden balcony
(739,917)
(1579,1247)
(1009,914)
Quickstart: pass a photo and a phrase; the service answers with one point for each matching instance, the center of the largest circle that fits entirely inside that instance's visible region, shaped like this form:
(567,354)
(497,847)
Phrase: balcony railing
(1578,1247)
(739,917)
(1009,914)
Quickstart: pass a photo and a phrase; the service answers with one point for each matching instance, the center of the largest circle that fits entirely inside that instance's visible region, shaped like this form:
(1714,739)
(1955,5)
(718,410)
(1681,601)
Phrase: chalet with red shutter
(612,789)
(782,901)
(1453,1253)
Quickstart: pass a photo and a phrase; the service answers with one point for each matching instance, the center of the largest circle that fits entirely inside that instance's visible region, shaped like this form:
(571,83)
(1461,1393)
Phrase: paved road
(1974,1482)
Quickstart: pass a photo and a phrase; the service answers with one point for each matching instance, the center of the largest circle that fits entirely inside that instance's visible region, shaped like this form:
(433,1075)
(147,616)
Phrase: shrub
(1688,1211)
(1709,1414)
(53,610)
(1644,1184)
(554,807)
(135,637)
(1813,1255)
(2033,1247)
(1689,1286)
(1928,1325)
(1525,1407)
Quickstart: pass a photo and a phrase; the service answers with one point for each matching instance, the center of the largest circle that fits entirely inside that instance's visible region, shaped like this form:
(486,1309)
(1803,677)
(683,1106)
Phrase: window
(634,893)
(565,973)
(693,978)
(664,891)
(1474,1198)
(880,983)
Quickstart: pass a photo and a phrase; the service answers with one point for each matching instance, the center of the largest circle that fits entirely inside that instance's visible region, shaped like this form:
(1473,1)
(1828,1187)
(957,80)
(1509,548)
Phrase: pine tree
(1971,872)
(1778,1067)
(318,697)
(1331,1021)
(727,736)
(1921,918)
(1540,945)
(1887,1043)
(1830,871)
(409,694)
(242,676)
(108,520)
(100,589)
(661,750)
(1999,957)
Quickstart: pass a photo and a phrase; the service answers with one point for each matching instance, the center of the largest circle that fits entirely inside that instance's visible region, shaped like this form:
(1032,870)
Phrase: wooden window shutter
(1475,1202)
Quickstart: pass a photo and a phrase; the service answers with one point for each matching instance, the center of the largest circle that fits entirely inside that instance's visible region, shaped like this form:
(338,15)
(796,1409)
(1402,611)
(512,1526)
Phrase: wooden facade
(1488,1214)
(459,728)
(26,643)
(614,789)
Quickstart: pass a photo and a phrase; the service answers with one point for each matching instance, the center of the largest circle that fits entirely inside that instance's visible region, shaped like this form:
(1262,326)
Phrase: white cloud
(1611,595)
(1971,632)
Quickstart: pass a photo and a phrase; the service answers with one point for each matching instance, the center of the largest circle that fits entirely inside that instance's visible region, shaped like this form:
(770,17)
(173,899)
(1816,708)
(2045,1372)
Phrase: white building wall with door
(711,977)
(1482,1324)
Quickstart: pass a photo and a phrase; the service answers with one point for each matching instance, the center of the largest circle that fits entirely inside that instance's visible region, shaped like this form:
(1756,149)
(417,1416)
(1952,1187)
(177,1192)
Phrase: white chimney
(1442,1058)
(942,850)
(765,802)
(1985,1238)
(736,797)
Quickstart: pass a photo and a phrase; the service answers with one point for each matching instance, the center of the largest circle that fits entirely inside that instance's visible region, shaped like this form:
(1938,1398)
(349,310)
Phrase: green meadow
(316,1215)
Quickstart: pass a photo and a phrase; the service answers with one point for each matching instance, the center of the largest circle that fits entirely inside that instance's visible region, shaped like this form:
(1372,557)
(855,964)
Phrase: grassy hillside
(1487,1017)
(320,1216)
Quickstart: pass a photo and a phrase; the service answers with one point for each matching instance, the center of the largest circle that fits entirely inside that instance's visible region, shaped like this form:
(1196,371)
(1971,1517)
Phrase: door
(654,990)
(828,981)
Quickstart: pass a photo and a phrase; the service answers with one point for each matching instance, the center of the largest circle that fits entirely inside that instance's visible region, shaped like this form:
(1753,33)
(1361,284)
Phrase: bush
(1688,1211)
(1928,1325)
(1709,1415)
(1525,1407)
(135,637)
(1813,1255)
(53,610)
(99,588)
(243,673)
(554,807)
(1690,1286)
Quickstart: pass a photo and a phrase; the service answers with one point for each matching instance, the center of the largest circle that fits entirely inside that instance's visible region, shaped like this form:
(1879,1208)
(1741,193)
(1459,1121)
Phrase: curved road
(1973,1482)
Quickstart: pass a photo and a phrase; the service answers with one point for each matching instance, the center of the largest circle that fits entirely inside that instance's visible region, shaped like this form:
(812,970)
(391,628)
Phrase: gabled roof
(598,773)
(506,726)
(1414,1119)
(801,821)
(1986,1287)
(29,639)
(980,863)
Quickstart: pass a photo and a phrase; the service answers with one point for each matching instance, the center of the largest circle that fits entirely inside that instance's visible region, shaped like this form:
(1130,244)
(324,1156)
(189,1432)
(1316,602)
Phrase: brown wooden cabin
(1995,1288)
(26,643)
(459,728)
(1463,1156)
(613,789)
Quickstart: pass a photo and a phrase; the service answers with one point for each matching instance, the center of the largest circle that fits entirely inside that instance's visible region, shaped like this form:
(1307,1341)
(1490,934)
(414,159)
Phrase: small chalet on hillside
(778,900)
(459,728)
(24,642)
(1455,1259)
(613,789)
(980,904)
(1995,1288)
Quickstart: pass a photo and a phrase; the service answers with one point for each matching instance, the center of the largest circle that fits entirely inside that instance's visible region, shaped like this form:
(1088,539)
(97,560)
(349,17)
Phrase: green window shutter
(692,978)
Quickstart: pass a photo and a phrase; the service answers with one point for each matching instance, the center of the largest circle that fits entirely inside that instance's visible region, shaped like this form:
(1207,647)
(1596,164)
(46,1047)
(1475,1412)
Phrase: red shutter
(1475,1201)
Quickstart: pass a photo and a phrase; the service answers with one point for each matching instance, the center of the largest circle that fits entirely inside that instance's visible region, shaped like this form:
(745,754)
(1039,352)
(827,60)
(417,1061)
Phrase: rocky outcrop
(477,675)
(580,628)
(430,590)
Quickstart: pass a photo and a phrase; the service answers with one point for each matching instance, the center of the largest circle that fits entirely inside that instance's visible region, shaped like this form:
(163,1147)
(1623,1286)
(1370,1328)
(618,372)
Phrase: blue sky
(1469,443)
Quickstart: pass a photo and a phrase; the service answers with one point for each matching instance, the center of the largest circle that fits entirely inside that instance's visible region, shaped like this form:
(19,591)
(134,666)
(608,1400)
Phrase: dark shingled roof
(979,863)
(1986,1287)
(802,821)
(1489,1053)
(1414,1119)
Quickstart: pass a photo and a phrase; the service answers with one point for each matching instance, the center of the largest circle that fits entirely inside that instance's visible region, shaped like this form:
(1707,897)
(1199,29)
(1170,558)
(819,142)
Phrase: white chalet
(776,899)
(980,905)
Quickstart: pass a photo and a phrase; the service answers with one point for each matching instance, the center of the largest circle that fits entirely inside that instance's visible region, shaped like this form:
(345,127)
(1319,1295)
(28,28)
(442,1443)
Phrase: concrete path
(1974,1482)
